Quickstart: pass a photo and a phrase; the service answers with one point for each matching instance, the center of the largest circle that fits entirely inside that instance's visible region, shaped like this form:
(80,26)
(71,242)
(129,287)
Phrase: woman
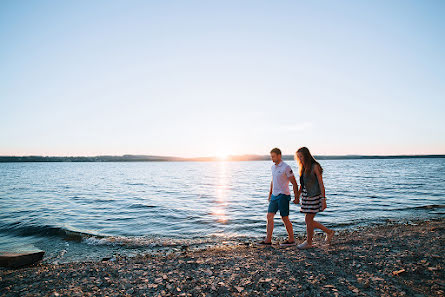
(313,198)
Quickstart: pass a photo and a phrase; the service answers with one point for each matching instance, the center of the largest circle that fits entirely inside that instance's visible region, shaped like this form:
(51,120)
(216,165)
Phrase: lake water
(78,211)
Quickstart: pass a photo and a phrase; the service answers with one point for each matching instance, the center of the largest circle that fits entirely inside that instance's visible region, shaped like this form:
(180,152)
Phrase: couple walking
(312,193)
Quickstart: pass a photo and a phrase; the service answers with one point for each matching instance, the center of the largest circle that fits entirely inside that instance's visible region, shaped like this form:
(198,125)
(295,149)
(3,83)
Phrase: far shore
(150,158)
(391,259)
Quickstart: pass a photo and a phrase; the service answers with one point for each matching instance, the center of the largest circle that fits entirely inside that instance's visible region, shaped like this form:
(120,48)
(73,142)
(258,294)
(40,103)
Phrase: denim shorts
(280,202)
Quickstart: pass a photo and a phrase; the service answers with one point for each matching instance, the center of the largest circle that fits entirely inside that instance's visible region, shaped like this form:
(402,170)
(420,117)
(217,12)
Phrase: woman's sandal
(329,237)
(304,246)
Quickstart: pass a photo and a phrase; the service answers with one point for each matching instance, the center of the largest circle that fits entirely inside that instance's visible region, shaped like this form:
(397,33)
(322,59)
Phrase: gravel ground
(359,262)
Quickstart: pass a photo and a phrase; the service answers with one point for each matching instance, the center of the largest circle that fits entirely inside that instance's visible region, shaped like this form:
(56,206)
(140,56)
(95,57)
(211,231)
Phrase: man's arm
(271,187)
(290,175)
(295,188)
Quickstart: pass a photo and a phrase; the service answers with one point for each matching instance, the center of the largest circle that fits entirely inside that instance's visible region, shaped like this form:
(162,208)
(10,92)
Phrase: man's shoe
(287,243)
(264,243)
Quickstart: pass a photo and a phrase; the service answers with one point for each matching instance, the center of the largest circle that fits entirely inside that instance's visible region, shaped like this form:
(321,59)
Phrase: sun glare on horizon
(222,156)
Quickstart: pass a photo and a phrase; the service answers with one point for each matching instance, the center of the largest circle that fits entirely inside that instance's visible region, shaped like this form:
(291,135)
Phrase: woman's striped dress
(310,204)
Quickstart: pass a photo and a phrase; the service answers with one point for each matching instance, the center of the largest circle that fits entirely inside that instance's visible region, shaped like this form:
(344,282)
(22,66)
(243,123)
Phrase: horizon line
(245,157)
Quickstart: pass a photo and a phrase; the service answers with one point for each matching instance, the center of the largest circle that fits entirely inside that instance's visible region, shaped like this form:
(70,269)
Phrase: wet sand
(360,262)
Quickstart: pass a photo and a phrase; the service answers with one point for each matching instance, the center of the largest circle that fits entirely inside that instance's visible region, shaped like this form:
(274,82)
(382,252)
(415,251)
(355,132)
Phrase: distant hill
(149,158)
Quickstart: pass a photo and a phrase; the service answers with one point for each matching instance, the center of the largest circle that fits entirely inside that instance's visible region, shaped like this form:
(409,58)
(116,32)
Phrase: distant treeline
(148,158)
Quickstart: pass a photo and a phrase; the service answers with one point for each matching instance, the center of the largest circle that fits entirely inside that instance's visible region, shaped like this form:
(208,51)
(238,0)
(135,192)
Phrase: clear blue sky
(194,78)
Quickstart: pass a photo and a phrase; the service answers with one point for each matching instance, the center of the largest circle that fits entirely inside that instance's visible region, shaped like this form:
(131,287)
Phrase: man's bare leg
(270,216)
(289,228)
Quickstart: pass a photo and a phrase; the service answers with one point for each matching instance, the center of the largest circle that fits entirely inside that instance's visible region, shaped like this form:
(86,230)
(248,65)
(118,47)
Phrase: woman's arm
(320,182)
(320,179)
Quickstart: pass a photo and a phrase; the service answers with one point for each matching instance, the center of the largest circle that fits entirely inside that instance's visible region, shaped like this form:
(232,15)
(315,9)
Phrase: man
(279,197)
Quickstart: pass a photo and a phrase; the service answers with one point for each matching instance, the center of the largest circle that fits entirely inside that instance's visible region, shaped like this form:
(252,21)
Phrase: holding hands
(297,196)
(323,204)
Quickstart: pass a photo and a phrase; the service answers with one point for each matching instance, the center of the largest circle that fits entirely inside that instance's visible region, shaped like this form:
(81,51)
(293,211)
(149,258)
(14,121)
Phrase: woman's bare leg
(322,227)
(311,224)
(309,218)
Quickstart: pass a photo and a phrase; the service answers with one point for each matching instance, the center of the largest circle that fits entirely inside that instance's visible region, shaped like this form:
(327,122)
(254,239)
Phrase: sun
(222,156)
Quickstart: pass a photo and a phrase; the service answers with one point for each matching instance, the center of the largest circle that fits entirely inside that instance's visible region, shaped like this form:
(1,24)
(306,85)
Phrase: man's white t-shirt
(280,178)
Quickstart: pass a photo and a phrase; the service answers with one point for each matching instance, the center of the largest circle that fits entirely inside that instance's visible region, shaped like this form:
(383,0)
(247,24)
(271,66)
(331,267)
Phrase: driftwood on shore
(16,260)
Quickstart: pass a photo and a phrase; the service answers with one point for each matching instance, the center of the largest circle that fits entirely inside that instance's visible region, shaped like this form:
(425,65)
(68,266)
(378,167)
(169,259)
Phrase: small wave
(21,229)
(429,206)
(140,205)
(346,224)
(136,184)
(433,206)
(106,200)
(148,242)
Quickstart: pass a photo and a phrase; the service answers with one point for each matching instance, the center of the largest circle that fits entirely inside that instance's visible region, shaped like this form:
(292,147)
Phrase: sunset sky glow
(204,78)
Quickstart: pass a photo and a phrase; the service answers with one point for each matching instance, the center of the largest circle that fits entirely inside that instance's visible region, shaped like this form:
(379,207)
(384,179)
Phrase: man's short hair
(276,151)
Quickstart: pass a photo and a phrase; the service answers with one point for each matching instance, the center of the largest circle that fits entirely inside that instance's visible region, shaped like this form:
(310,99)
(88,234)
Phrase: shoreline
(359,262)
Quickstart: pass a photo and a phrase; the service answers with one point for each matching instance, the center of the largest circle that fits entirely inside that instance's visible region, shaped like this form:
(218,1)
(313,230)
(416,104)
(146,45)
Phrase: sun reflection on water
(219,211)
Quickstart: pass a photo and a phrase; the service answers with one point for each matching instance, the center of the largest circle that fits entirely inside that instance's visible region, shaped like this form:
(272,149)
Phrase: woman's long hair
(305,165)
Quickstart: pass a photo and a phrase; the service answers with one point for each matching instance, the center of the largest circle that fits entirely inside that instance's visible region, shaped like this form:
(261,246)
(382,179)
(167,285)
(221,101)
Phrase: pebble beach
(391,259)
